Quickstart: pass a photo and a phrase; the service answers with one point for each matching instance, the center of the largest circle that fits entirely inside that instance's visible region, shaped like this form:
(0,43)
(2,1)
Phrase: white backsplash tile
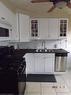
(43,44)
(52,44)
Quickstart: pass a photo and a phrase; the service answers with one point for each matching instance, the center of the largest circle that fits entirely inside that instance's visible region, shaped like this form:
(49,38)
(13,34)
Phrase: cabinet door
(39,63)
(43,28)
(24,27)
(63,28)
(49,63)
(34,25)
(30,63)
(53,28)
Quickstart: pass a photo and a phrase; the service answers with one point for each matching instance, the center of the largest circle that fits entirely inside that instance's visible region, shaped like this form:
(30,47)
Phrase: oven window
(4,32)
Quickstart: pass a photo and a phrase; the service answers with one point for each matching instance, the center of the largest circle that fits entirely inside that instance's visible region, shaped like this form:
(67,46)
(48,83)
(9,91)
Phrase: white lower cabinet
(30,63)
(40,63)
(49,63)
(44,63)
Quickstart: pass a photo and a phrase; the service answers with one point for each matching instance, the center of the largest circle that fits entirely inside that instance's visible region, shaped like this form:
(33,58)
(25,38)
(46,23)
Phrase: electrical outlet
(55,46)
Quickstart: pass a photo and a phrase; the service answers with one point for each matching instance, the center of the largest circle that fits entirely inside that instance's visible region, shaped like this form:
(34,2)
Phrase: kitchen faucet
(43,45)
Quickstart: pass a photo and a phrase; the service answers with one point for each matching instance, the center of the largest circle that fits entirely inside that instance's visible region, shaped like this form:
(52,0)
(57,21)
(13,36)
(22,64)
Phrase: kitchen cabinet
(44,63)
(49,28)
(34,29)
(43,28)
(23,27)
(53,28)
(63,27)
(39,28)
(15,33)
(57,28)
(49,63)
(40,63)
(30,63)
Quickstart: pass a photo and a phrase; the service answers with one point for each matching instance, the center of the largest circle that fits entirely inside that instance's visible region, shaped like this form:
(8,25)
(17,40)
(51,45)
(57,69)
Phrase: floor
(61,87)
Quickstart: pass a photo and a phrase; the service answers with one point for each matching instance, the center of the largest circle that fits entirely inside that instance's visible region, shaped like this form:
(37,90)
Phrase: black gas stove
(12,70)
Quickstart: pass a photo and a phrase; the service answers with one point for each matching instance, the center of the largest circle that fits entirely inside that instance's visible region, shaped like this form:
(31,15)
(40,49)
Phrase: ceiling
(37,9)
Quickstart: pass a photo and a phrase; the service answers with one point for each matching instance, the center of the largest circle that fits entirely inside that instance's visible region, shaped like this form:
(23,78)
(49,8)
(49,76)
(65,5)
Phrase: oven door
(22,81)
(5,32)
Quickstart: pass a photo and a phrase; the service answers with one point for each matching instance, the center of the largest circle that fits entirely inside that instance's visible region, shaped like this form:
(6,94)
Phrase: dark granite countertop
(22,52)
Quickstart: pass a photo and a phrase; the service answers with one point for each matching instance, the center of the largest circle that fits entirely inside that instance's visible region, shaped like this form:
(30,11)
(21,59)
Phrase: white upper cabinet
(63,27)
(57,28)
(23,27)
(39,28)
(53,28)
(43,29)
(49,28)
(34,28)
